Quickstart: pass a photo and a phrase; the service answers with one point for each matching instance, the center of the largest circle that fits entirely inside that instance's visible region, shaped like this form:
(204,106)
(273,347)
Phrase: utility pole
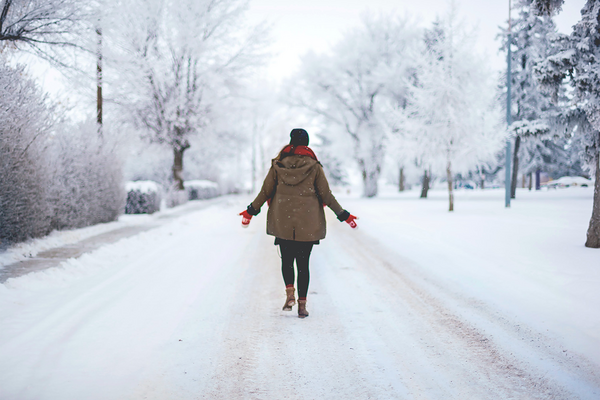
(507,185)
(99,79)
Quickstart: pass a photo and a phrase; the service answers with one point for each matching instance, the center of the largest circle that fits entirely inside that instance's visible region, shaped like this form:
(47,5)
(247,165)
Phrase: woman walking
(297,191)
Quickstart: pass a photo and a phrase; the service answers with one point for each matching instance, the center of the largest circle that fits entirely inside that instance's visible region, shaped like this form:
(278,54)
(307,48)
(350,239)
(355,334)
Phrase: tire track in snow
(466,354)
(268,354)
(108,327)
(379,327)
(374,332)
(233,376)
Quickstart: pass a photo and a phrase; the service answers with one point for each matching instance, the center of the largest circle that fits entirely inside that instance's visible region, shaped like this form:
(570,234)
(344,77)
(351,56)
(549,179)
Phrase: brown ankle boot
(302,313)
(290,300)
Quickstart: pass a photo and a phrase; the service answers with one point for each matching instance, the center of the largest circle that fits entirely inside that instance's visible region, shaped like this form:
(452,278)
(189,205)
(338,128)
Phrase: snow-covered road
(192,310)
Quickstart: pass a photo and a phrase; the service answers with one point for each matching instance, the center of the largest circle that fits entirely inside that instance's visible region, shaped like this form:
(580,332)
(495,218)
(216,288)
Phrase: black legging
(299,251)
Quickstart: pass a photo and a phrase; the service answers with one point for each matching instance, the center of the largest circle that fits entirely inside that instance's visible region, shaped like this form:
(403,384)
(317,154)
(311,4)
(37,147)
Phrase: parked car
(569,181)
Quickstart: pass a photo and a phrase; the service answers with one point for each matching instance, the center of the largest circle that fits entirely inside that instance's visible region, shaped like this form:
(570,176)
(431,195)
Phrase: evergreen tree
(577,61)
(530,43)
(546,7)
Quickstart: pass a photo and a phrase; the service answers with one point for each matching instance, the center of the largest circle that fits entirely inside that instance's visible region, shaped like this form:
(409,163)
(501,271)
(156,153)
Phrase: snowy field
(419,303)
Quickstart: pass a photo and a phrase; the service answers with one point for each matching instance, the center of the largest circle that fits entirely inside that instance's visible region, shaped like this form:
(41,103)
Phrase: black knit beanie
(299,137)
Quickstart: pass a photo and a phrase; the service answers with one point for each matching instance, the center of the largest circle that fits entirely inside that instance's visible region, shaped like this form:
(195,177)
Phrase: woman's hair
(298,137)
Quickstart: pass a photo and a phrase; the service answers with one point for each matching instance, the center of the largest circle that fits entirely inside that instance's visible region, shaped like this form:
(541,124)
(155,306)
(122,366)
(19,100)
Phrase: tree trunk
(515,171)
(530,180)
(254,159)
(523,182)
(593,233)
(425,187)
(538,177)
(401,183)
(370,179)
(450,187)
(178,166)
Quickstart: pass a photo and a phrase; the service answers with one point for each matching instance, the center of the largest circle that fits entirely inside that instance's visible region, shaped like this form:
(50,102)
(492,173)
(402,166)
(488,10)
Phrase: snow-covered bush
(201,189)
(24,127)
(87,186)
(143,197)
(52,175)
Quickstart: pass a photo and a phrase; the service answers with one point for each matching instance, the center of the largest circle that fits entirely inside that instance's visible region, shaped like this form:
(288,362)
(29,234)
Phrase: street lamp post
(507,180)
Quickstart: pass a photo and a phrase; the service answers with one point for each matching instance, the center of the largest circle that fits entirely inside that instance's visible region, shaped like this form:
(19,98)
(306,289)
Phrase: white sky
(300,26)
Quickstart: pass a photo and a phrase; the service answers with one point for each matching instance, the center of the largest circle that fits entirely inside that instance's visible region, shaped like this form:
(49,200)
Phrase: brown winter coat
(298,189)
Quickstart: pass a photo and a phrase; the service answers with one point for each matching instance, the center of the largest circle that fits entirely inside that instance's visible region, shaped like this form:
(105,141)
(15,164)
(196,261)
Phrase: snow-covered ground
(419,303)
(31,248)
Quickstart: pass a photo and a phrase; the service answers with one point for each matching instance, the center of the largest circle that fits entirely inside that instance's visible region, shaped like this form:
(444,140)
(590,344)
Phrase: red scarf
(300,150)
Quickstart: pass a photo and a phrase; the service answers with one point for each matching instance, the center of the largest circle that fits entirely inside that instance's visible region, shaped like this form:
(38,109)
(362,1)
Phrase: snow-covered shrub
(24,127)
(143,197)
(52,176)
(87,186)
(201,189)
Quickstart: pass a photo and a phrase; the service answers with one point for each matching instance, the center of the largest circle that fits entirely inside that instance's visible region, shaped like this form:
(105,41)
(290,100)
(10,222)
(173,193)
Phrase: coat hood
(294,169)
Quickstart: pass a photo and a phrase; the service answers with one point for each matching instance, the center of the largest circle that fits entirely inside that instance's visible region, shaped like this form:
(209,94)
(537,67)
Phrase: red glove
(351,221)
(246,217)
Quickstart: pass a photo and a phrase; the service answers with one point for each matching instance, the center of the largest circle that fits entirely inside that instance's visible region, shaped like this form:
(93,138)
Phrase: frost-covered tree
(181,58)
(350,87)
(578,61)
(531,42)
(41,26)
(37,22)
(405,129)
(452,116)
